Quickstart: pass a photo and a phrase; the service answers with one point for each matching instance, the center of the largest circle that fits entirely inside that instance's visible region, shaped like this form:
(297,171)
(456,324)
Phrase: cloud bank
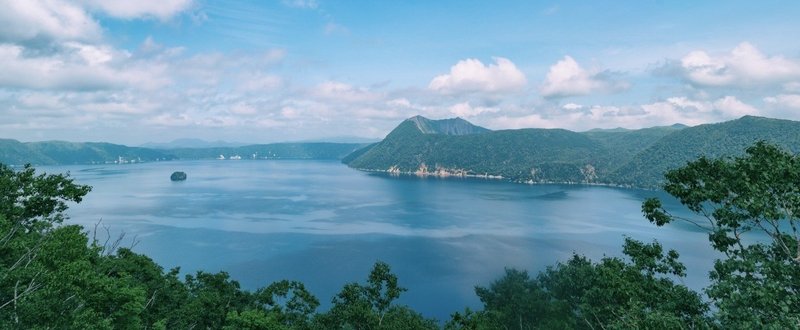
(568,78)
(472,76)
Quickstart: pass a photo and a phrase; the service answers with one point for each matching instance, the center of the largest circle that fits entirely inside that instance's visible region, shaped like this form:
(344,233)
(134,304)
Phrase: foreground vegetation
(55,276)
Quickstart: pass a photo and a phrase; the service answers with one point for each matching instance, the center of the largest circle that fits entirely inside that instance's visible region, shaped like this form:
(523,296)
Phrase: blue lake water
(325,224)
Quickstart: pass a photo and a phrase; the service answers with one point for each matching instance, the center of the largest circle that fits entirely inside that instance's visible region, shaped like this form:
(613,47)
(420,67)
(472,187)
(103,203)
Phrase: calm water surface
(325,224)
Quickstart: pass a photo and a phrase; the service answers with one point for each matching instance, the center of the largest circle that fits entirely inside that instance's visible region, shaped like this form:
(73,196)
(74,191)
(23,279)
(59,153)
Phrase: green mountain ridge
(309,150)
(68,153)
(726,139)
(452,126)
(13,152)
(616,157)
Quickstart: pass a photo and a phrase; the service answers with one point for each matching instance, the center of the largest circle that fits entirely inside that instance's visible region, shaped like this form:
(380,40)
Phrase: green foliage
(36,202)
(471,320)
(371,306)
(290,302)
(611,294)
(751,205)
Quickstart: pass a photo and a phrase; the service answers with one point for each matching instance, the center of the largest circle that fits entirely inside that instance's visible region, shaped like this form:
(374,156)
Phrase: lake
(324,224)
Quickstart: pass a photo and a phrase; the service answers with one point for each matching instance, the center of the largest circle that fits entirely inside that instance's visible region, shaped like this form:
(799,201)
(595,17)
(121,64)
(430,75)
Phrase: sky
(132,72)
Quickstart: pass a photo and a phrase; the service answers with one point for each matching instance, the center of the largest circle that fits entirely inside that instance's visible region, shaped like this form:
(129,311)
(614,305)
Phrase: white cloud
(526,121)
(259,82)
(76,67)
(337,91)
(242,108)
(568,78)
(784,100)
(400,102)
(731,107)
(744,66)
(683,102)
(666,112)
(693,112)
(161,9)
(471,75)
(466,110)
(45,21)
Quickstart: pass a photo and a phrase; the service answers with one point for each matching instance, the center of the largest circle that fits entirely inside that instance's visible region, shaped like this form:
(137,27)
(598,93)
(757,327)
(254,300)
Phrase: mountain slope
(13,152)
(619,156)
(191,143)
(729,138)
(622,144)
(529,154)
(315,150)
(452,126)
(60,152)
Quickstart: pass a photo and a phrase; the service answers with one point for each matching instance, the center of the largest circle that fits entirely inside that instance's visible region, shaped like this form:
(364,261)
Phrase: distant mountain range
(191,143)
(449,147)
(200,143)
(13,152)
(616,156)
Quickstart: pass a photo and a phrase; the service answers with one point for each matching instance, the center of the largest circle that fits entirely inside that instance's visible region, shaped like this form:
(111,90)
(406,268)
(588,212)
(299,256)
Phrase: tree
(750,207)
(580,294)
(211,298)
(290,303)
(36,203)
(371,306)
(39,263)
(53,276)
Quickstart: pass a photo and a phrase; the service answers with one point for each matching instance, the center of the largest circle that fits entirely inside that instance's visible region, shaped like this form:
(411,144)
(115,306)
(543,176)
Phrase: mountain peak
(451,126)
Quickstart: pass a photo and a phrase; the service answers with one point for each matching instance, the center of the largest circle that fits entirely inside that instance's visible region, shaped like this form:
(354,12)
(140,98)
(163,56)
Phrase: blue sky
(268,71)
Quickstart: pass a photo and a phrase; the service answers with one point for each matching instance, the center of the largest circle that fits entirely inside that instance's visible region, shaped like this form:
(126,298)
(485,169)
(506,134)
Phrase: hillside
(313,150)
(65,153)
(452,126)
(730,138)
(618,156)
(13,152)
(622,144)
(529,154)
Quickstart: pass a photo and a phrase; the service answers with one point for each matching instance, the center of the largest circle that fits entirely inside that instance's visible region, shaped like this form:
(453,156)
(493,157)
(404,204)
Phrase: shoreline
(463,174)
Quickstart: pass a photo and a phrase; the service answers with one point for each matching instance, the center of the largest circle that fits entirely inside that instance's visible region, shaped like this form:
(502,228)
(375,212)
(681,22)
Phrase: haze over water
(324,224)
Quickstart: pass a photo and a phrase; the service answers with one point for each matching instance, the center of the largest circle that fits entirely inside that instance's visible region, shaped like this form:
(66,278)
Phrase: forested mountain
(527,154)
(730,138)
(13,152)
(191,143)
(310,150)
(617,156)
(452,126)
(622,144)
(60,152)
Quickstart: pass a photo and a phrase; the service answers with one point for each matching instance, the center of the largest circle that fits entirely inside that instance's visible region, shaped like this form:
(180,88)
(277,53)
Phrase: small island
(178,176)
